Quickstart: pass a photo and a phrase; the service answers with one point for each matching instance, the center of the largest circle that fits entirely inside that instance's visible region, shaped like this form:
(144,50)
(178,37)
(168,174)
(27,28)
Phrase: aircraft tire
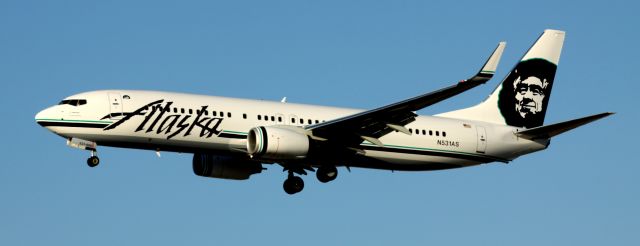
(93,161)
(293,185)
(326,173)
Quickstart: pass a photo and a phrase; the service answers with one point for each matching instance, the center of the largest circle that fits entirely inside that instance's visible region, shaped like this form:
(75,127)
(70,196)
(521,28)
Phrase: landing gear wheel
(93,161)
(326,173)
(293,185)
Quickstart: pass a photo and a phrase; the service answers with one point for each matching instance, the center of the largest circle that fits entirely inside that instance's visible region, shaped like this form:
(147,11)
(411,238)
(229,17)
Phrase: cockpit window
(73,102)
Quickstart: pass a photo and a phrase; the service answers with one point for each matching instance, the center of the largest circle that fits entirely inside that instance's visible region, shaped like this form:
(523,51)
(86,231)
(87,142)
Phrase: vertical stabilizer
(521,99)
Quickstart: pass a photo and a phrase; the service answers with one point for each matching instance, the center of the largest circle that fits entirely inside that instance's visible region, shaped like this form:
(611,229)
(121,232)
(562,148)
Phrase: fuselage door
(482,139)
(115,105)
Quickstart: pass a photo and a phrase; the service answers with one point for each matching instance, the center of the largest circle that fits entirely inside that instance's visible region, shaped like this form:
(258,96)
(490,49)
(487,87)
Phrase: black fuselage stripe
(231,135)
(434,153)
(73,124)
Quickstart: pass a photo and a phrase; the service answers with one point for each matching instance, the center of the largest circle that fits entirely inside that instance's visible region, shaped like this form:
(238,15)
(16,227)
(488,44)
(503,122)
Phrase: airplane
(232,138)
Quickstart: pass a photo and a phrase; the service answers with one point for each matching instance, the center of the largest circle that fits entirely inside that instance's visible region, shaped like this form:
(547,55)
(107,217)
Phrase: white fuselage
(196,124)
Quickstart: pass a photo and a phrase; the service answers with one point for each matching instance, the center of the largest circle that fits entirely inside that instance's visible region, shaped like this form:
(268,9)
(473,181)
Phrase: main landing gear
(93,161)
(294,184)
(326,173)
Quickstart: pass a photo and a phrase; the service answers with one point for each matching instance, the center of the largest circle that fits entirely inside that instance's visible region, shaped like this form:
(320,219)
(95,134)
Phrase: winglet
(491,65)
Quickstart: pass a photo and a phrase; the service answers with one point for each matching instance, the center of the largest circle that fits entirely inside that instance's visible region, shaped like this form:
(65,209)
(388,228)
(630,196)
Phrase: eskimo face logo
(529,95)
(525,93)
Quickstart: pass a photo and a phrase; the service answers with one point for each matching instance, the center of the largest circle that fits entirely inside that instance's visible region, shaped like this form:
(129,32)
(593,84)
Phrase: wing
(372,124)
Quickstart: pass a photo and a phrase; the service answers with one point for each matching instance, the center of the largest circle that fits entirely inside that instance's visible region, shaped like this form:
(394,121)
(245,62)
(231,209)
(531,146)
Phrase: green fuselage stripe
(428,149)
(242,133)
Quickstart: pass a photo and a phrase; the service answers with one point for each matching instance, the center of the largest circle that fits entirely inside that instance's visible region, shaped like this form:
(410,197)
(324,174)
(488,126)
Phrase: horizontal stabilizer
(552,130)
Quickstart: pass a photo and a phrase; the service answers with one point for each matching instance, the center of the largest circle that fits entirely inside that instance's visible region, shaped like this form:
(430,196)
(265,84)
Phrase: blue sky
(583,190)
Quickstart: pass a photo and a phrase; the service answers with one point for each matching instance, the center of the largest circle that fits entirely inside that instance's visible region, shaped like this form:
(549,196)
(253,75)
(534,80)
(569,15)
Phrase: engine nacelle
(224,167)
(272,142)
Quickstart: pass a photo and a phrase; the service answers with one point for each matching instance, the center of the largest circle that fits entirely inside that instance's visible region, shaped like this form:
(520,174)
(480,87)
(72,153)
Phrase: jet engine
(272,142)
(224,167)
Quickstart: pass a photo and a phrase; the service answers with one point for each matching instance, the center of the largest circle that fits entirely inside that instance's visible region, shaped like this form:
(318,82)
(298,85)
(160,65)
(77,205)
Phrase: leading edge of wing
(424,100)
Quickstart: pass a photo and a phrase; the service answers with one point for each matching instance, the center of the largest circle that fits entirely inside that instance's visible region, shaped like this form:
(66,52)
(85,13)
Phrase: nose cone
(39,115)
(44,116)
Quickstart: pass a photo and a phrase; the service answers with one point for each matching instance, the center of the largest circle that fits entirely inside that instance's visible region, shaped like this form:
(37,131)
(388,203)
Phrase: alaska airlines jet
(232,138)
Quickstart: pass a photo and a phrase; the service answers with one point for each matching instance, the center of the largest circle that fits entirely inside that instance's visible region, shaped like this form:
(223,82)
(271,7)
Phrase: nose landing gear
(93,161)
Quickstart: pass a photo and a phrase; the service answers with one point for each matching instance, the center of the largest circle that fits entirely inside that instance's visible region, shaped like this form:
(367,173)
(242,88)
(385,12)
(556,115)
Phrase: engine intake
(272,142)
(224,167)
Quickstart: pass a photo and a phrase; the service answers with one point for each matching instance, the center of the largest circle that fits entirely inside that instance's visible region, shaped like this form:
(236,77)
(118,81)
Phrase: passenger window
(309,122)
(167,109)
(206,113)
(229,114)
(410,130)
(279,118)
(214,113)
(424,132)
(301,121)
(317,121)
(437,133)
(175,110)
(221,114)
(273,118)
(259,117)
(430,133)
(293,120)
(444,134)
(182,110)
(244,116)
(266,117)
(190,111)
